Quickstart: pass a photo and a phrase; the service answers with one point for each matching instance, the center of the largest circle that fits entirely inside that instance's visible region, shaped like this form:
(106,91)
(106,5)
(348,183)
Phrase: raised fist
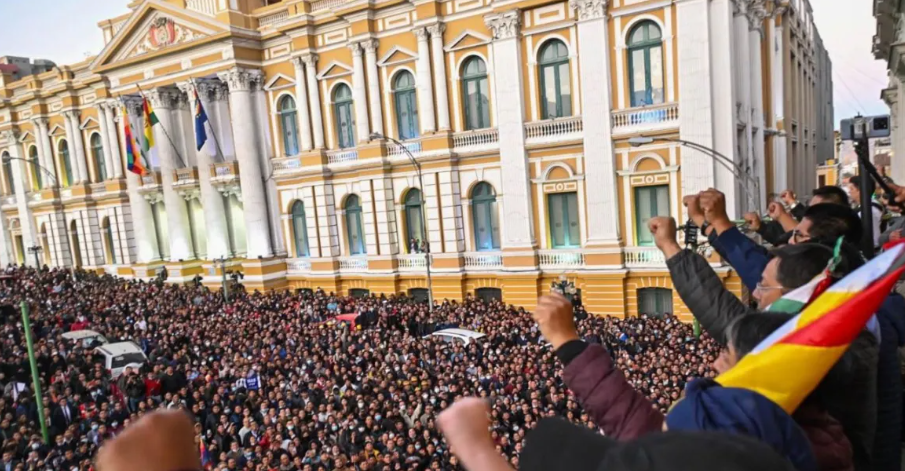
(776,210)
(693,206)
(753,221)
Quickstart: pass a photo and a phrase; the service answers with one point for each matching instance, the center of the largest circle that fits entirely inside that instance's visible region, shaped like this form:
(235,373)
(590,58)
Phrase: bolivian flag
(791,362)
(150,119)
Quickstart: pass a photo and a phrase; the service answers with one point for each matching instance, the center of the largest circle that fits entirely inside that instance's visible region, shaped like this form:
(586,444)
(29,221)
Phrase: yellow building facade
(344,138)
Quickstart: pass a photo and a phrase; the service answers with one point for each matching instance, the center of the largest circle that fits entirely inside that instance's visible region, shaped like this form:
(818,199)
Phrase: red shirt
(152,387)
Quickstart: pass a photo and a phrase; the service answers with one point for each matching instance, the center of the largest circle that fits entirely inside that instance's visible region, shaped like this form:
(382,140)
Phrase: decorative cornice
(504,25)
(589,9)
(242,80)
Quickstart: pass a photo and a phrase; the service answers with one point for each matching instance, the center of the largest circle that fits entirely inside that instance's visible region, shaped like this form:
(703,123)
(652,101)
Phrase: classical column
(216,229)
(301,102)
(370,47)
(439,57)
(165,101)
(314,99)
(143,241)
(359,94)
(70,140)
(115,155)
(518,219)
(77,147)
(425,83)
(254,202)
(743,69)
(600,173)
(102,114)
(756,14)
(45,152)
(26,220)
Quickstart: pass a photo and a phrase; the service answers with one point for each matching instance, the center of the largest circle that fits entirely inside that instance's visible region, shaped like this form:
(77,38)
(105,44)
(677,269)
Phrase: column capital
(163,98)
(243,80)
(310,59)
(211,90)
(133,104)
(739,7)
(10,137)
(298,62)
(42,123)
(757,12)
(436,31)
(187,87)
(890,95)
(589,9)
(72,114)
(356,49)
(780,8)
(504,25)
(421,33)
(370,45)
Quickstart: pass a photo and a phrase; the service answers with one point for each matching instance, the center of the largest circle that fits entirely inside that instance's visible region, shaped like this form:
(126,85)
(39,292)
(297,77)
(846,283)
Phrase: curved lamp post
(427,245)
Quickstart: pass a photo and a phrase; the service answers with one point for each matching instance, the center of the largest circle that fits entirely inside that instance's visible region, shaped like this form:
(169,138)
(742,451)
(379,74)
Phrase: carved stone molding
(42,123)
(164,98)
(370,45)
(298,62)
(437,29)
(310,59)
(589,9)
(504,25)
(356,49)
(10,137)
(242,79)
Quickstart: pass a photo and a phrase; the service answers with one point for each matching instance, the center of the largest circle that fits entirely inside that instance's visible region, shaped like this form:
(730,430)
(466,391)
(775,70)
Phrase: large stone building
(519,114)
(889,46)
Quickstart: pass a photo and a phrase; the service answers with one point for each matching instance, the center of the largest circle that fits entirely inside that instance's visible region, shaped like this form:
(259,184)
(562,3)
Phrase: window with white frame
(645,64)
(562,214)
(650,202)
(555,82)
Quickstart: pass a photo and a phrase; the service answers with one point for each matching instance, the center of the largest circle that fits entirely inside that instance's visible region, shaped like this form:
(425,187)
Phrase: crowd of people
(273,382)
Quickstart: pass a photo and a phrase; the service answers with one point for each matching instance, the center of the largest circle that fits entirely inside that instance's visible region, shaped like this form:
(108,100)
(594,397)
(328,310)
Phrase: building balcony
(298,266)
(395,150)
(644,257)
(560,259)
(322,5)
(478,261)
(341,155)
(98,188)
(185,177)
(481,140)
(225,173)
(286,165)
(8,201)
(207,7)
(414,262)
(150,183)
(274,19)
(358,264)
(646,119)
(554,131)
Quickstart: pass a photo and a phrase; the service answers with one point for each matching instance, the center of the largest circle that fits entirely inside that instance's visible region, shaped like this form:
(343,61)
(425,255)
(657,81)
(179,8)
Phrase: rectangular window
(650,201)
(562,211)
(356,238)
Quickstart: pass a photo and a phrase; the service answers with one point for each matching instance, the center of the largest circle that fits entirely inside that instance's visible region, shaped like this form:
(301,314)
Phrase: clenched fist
(466,424)
(753,221)
(162,441)
(713,202)
(776,210)
(664,231)
(789,197)
(693,207)
(555,320)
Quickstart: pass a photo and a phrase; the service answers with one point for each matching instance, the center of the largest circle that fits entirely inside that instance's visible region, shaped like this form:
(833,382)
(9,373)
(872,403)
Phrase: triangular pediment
(278,82)
(467,39)
(397,55)
(26,137)
(335,69)
(57,130)
(89,123)
(155,27)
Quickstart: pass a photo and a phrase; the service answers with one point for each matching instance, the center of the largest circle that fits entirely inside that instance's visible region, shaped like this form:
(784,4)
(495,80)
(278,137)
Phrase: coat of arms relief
(163,32)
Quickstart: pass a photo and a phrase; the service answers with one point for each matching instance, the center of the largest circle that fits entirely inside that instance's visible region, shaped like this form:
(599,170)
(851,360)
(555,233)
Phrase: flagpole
(141,152)
(165,133)
(214,134)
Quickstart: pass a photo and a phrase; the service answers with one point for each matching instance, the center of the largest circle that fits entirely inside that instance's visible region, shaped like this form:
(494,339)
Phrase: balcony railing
(561,259)
(416,261)
(274,19)
(98,188)
(353,264)
(298,266)
(286,165)
(225,170)
(185,176)
(472,141)
(554,130)
(648,118)
(395,150)
(644,257)
(150,179)
(326,4)
(483,261)
(208,7)
(342,155)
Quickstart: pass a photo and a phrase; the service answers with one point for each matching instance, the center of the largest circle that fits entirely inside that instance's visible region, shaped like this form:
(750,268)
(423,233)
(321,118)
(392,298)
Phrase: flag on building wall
(200,122)
(133,151)
(813,341)
(150,119)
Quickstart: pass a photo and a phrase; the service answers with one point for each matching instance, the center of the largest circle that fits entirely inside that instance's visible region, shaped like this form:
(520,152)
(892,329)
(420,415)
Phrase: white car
(459,336)
(119,356)
(85,337)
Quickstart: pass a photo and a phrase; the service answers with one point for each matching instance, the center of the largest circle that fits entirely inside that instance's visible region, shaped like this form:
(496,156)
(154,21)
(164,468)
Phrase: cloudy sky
(65,31)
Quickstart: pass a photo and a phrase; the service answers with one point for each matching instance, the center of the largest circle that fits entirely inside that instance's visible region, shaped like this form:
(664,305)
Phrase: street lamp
(35,250)
(721,159)
(427,245)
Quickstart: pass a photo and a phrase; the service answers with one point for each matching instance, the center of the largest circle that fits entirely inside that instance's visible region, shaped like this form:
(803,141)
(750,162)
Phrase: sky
(65,31)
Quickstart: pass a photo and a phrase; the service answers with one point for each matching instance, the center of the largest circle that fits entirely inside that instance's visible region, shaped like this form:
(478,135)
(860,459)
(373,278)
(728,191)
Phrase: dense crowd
(273,382)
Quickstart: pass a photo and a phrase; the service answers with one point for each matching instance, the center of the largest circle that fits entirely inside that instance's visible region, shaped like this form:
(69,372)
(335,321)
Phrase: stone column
(518,215)
(45,152)
(359,94)
(314,99)
(70,141)
(241,107)
(436,32)
(600,173)
(743,70)
(301,103)
(143,240)
(370,47)
(26,221)
(756,14)
(165,101)
(115,155)
(216,230)
(77,147)
(102,112)
(777,66)
(425,83)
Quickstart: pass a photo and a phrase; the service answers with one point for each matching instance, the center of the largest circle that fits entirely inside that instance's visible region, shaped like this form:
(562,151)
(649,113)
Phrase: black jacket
(849,392)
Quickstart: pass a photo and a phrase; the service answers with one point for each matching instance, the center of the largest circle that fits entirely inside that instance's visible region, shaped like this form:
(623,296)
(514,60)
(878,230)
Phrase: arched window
(645,64)
(655,302)
(299,229)
(97,149)
(65,162)
(8,173)
(476,92)
(353,226)
(345,125)
(110,252)
(486,217)
(406,107)
(414,223)
(555,82)
(289,121)
(37,180)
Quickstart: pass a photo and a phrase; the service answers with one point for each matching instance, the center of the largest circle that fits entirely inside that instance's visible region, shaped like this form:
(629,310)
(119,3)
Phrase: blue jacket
(747,257)
(887,441)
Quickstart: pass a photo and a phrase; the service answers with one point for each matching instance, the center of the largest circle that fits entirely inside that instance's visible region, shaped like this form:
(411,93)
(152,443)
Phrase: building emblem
(164,32)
